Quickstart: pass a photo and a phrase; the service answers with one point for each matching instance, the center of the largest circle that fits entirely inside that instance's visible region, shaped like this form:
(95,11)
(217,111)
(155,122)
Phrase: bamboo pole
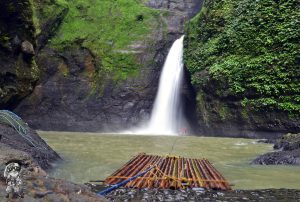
(171,173)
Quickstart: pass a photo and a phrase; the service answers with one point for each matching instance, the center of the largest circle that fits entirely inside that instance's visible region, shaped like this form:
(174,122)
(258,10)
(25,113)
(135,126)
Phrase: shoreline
(100,156)
(73,190)
(199,194)
(261,140)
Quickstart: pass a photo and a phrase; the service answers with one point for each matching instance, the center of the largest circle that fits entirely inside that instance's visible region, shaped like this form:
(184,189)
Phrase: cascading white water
(166,113)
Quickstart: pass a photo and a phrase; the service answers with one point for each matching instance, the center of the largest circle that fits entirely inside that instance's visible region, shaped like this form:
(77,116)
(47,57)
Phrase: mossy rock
(107,34)
(249,50)
(288,142)
(20,23)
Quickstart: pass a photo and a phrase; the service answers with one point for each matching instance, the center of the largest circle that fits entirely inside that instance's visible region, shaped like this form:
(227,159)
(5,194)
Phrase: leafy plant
(250,49)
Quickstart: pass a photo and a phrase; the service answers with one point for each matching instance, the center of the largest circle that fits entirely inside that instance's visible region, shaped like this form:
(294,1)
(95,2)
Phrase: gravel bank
(199,194)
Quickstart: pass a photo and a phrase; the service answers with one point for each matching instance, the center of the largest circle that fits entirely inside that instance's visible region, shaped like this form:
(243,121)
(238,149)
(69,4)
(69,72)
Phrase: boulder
(37,185)
(15,146)
(287,152)
(27,48)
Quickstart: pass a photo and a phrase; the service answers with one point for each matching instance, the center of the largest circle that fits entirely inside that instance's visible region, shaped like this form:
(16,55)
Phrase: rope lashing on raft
(10,118)
(174,172)
(116,186)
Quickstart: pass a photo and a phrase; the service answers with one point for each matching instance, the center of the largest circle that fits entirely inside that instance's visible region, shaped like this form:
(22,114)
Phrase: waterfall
(166,114)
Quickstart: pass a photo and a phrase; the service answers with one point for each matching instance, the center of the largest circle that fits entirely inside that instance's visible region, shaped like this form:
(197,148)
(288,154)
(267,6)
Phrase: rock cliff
(76,93)
(244,65)
(18,72)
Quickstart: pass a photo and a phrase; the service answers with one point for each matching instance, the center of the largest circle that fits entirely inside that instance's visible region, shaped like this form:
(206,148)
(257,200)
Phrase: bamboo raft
(170,172)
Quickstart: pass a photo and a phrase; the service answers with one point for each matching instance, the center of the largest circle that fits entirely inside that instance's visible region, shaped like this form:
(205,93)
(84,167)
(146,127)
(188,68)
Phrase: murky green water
(91,156)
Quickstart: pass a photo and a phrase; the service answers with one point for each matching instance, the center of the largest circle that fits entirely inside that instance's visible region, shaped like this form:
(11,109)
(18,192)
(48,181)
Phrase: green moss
(244,114)
(43,11)
(223,112)
(106,28)
(4,40)
(201,106)
(35,71)
(35,18)
(250,50)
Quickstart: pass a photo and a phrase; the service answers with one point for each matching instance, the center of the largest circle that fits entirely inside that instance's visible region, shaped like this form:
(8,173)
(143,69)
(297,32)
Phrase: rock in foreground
(198,194)
(43,188)
(14,146)
(37,185)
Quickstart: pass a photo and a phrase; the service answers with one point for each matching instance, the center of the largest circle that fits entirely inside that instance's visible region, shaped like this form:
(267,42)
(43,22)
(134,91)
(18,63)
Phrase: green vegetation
(43,12)
(249,50)
(223,112)
(106,28)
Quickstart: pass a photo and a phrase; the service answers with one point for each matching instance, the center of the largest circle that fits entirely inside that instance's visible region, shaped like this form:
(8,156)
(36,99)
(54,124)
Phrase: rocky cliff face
(186,7)
(18,72)
(24,29)
(244,67)
(66,97)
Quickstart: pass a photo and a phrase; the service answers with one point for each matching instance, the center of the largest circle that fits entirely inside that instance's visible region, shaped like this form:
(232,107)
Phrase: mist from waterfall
(166,116)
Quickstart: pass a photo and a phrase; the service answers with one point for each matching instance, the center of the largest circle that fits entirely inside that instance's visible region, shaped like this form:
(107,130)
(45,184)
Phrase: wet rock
(211,195)
(289,152)
(279,158)
(288,142)
(43,154)
(37,185)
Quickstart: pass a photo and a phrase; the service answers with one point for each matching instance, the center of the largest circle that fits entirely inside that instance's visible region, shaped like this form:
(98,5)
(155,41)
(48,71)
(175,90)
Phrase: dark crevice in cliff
(189,104)
(50,28)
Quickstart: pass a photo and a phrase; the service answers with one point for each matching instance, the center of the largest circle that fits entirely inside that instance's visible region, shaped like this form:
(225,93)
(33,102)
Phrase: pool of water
(92,156)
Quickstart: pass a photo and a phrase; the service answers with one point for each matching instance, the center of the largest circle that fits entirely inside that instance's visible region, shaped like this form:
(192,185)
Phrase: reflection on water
(90,156)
